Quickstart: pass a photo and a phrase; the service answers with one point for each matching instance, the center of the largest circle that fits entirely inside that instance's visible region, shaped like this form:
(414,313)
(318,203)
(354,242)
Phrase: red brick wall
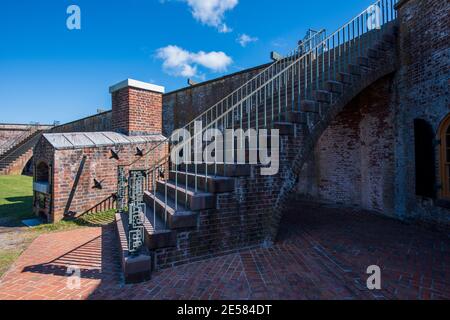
(43,152)
(242,218)
(136,111)
(99,165)
(10,132)
(182,106)
(18,165)
(423,92)
(7,135)
(95,123)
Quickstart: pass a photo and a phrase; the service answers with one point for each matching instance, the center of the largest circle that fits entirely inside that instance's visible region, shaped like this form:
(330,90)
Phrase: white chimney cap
(136,84)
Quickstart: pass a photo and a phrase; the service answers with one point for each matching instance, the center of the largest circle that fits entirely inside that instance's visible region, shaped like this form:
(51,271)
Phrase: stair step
(192,200)
(286,128)
(373,53)
(355,70)
(323,96)
(223,170)
(212,184)
(135,268)
(177,217)
(309,106)
(363,61)
(335,86)
(296,117)
(381,46)
(345,78)
(389,38)
(157,236)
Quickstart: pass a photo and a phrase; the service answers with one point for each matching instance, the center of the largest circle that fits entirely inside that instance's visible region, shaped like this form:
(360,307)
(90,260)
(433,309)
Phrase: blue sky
(48,72)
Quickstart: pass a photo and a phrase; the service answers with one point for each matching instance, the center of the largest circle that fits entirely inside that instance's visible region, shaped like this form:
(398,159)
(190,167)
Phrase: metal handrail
(274,77)
(23,147)
(294,52)
(7,146)
(295,78)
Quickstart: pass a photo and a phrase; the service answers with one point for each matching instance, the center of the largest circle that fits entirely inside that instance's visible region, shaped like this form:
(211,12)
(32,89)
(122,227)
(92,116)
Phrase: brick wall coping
(82,119)
(78,140)
(136,84)
(23,127)
(200,84)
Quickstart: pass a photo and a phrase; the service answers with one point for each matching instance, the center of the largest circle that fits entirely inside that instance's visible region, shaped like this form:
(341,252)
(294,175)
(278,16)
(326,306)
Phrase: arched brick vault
(304,154)
(17,167)
(353,160)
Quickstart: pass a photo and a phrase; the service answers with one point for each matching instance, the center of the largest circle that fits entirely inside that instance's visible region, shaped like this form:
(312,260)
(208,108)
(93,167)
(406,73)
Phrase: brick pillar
(136,108)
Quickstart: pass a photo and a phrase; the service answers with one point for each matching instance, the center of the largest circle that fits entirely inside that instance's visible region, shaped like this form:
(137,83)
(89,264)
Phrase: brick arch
(19,164)
(28,167)
(42,171)
(355,149)
(305,152)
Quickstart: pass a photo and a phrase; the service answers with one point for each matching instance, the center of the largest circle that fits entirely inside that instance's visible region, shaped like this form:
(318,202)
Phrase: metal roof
(96,139)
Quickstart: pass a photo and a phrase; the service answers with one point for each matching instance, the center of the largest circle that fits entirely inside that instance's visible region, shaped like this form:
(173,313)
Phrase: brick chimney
(136,108)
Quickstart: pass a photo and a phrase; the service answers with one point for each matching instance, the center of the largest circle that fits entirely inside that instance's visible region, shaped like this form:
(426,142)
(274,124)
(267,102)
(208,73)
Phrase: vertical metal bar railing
(296,77)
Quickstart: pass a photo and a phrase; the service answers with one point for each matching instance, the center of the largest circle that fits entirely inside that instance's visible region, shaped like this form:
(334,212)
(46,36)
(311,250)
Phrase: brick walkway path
(322,253)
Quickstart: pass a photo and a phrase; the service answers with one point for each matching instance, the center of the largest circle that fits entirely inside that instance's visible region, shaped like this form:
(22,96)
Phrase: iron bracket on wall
(114,155)
(98,184)
(139,152)
(75,185)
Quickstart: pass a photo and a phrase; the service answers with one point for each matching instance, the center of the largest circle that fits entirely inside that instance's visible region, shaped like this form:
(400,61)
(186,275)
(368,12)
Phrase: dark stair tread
(195,201)
(177,216)
(182,188)
(224,170)
(153,239)
(160,198)
(286,128)
(157,235)
(202,175)
(214,183)
(296,117)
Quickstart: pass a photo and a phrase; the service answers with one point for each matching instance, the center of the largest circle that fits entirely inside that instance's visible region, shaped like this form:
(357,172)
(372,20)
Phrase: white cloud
(245,39)
(180,62)
(211,12)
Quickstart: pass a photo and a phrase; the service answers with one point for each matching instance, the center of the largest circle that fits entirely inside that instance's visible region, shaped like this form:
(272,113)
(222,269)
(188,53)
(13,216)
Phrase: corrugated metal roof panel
(117,138)
(57,140)
(136,139)
(99,139)
(96,139)
(79,140)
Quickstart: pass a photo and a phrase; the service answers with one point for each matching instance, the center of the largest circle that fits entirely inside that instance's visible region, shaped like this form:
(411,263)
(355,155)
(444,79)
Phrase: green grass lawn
(7,258)
(16,198)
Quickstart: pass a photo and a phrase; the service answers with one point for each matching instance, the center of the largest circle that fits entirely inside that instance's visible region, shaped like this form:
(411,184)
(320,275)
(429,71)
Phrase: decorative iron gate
(136,206)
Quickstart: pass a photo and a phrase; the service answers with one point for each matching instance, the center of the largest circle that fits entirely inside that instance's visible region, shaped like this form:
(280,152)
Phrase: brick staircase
(14,160)
(4,148)
(199,211)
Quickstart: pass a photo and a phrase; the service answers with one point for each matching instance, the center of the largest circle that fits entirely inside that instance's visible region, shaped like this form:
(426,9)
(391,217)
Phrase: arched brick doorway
(41,186)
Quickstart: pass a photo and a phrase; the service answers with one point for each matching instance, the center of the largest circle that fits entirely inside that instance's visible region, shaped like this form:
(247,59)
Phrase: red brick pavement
(322,253)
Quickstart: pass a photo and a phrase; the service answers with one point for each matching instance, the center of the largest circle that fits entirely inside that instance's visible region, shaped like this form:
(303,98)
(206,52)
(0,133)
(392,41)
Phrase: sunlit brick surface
(322,253)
